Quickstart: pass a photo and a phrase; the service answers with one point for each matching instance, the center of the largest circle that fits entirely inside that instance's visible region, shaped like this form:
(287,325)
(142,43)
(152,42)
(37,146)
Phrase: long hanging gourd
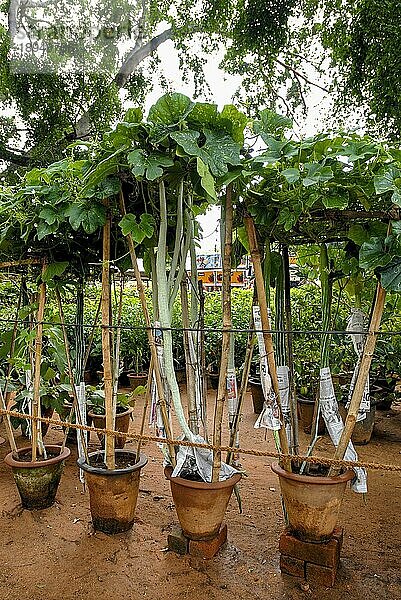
(290,354)
(150,334)
(165,315)
(281,349)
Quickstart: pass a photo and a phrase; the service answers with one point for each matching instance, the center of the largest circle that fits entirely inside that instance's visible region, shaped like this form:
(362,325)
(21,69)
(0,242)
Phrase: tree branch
(12,157)
(134,58)
(300,75)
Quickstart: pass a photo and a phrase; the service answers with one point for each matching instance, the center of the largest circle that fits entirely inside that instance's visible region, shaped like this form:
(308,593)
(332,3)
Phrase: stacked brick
(312,562)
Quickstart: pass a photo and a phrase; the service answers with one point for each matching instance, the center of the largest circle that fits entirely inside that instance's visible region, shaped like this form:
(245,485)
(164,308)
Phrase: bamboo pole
(106,347)
(149,331)
(363,373)
(92,334)
(9,429)
(242,391)
(264,315)
(190,374)
(75,403)
(225,345)
(37,363)
(290,351)
(202,353)
(148,396)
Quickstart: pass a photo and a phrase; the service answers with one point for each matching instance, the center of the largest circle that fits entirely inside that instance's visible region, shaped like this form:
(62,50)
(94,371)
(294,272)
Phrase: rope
(343,332)
(320,460)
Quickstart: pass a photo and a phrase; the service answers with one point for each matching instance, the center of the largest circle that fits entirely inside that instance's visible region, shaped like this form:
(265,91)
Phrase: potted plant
(97,413)
(37,469)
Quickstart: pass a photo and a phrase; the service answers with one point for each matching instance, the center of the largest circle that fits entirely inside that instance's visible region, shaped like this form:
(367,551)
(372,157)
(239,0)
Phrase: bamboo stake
(75,403)
(290,352)
(149,331)
(202,352)
(148,396)
(363,373)
(190,374)
(242,391)
(225,345)
(9,429)
(92,334)
(36,437)
(264,315)
(109,453)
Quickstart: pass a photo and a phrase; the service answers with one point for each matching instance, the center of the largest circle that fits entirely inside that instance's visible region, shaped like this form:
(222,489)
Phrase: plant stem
(264,315)
(148,396)
(36,430)
(165,315)
(225,345)
(363,373)
(75,403)
(149,331)
(290,353)
(106,346)
(189,366)
(202,353)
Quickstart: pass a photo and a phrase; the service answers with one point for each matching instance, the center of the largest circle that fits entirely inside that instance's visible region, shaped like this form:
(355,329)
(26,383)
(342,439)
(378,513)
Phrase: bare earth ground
(53,554)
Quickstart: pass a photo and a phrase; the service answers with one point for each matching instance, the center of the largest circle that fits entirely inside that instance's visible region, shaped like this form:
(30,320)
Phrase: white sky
(223,87)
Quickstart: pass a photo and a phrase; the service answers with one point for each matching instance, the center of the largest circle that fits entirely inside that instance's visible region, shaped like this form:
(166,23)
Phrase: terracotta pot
(363,429)
(122,424)
(37,482)
(312,503)
(113,493)
(200,506)
(257,395)
(137,379)
(307,407)
(213,380)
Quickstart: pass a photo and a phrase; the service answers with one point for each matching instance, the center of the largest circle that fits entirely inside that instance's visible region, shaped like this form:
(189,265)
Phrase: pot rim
(202,485)
(255,380)
(20,464)
(318,480)
(143,459)
(129,410)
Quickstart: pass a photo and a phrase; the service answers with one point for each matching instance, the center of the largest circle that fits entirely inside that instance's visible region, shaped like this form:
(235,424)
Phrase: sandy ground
(54,554)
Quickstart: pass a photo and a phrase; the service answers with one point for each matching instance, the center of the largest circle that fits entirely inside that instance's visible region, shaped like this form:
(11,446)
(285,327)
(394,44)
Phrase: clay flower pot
(122,424)
(113,493)
(307,407)
(137,379)
(200,506)
(312,503)
(37,482)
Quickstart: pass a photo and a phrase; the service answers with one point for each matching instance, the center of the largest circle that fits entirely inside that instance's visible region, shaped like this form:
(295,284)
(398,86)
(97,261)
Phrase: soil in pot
(307,407)
(257,395)
(200,506)
(122,424)
(312,502)
(38,481)
(113,494)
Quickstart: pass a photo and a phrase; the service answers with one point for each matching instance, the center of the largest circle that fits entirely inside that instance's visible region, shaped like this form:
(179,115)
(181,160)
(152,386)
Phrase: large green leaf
(390,276)
(373,254)
(317,173)
(170,109)
(218,151)
(292,175)
(271,123)
(233,121)
(337,198)
(358,234)
(150,166)
(139,230)
(54,270)
(384,181)
(49,214)
(89,215)
(207,181)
